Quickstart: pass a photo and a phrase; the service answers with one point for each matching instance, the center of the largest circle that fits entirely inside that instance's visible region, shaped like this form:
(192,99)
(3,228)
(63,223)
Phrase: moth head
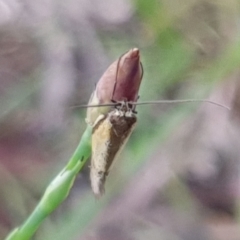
(120,82)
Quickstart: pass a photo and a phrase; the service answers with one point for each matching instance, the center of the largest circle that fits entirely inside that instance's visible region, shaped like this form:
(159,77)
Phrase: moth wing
(109,136)
(100,141)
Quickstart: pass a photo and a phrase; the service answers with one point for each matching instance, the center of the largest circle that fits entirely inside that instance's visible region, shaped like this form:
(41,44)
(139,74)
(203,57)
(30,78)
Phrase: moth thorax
(125,109)
(127,113)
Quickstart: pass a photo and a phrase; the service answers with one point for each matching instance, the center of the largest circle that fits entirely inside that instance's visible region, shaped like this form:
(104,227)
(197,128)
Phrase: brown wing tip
(97,183)
(99,191)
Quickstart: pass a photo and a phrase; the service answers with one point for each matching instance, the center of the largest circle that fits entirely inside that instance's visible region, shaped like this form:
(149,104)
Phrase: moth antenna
(116,77)
(180,101)
(154,102)
(142,71)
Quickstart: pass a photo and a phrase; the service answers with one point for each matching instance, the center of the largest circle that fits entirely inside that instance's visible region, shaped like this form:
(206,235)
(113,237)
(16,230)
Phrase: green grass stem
(57,191)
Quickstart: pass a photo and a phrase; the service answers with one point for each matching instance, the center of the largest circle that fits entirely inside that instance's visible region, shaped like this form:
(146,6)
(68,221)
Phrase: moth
(112,116)
(109,135)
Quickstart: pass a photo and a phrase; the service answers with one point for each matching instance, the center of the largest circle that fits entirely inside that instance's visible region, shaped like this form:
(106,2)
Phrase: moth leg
(131,106)
(134,111)
(123,106)
(130,109)
(129,113)
(116,77)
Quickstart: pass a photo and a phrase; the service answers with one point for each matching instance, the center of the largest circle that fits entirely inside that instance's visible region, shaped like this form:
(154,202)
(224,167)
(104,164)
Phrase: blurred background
(178,177)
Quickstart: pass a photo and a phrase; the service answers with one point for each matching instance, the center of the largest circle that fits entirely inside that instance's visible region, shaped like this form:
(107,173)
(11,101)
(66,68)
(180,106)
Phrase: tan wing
(108,137)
